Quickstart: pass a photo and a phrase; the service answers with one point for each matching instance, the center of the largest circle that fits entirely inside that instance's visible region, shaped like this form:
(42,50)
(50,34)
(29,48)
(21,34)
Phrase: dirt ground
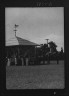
(36,77)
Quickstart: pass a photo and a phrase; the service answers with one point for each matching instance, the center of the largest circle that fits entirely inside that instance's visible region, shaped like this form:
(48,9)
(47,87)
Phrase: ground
(36,77)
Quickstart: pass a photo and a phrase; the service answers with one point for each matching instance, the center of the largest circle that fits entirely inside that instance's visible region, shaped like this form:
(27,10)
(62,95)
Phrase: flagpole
(15,36)
(15,29)
(47,41)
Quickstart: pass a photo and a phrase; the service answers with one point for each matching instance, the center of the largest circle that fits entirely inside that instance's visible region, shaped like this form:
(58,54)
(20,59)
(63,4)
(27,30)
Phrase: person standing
(8,62)
(15,61)
(27,61)
(22,59)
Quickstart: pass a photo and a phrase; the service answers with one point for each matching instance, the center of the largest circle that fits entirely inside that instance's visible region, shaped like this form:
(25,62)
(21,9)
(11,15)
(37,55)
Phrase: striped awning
(18,41)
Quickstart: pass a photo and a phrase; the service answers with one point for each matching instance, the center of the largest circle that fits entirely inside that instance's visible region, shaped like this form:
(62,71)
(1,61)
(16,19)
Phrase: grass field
(36,77)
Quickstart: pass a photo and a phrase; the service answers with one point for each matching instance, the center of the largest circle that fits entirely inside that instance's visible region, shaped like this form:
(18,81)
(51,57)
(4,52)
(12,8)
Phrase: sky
(36,24)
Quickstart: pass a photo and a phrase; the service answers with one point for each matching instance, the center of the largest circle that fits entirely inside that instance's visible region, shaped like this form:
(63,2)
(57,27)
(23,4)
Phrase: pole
(47,41)
(48,60)
(15,29)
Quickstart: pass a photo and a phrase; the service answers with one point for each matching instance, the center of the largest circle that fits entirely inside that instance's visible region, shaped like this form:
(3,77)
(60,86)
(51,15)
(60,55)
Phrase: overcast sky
(36,24)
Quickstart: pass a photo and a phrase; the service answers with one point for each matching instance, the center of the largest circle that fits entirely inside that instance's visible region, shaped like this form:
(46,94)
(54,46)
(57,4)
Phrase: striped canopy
(18,41)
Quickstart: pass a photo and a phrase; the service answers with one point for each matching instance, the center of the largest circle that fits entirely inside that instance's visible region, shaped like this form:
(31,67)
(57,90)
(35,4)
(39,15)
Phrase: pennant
(16,25)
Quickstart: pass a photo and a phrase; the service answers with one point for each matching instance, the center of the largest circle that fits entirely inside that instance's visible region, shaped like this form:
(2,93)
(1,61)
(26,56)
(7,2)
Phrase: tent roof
(18,41)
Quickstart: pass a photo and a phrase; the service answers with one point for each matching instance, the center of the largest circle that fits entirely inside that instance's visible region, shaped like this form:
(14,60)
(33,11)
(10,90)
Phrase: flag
(16,25)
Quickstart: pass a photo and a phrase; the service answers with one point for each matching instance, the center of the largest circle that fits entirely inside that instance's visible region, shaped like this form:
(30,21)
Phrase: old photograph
(34,43)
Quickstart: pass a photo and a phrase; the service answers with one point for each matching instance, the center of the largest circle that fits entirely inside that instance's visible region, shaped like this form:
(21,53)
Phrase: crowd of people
(43,53)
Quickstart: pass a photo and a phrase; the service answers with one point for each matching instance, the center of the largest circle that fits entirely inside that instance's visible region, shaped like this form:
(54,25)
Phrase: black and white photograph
(34,43)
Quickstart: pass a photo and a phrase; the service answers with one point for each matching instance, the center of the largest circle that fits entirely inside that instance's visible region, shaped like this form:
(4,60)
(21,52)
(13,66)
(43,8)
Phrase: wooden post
(35,50)
(48,59)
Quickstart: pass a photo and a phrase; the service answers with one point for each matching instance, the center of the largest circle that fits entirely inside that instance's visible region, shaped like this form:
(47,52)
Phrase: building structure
(19,49)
